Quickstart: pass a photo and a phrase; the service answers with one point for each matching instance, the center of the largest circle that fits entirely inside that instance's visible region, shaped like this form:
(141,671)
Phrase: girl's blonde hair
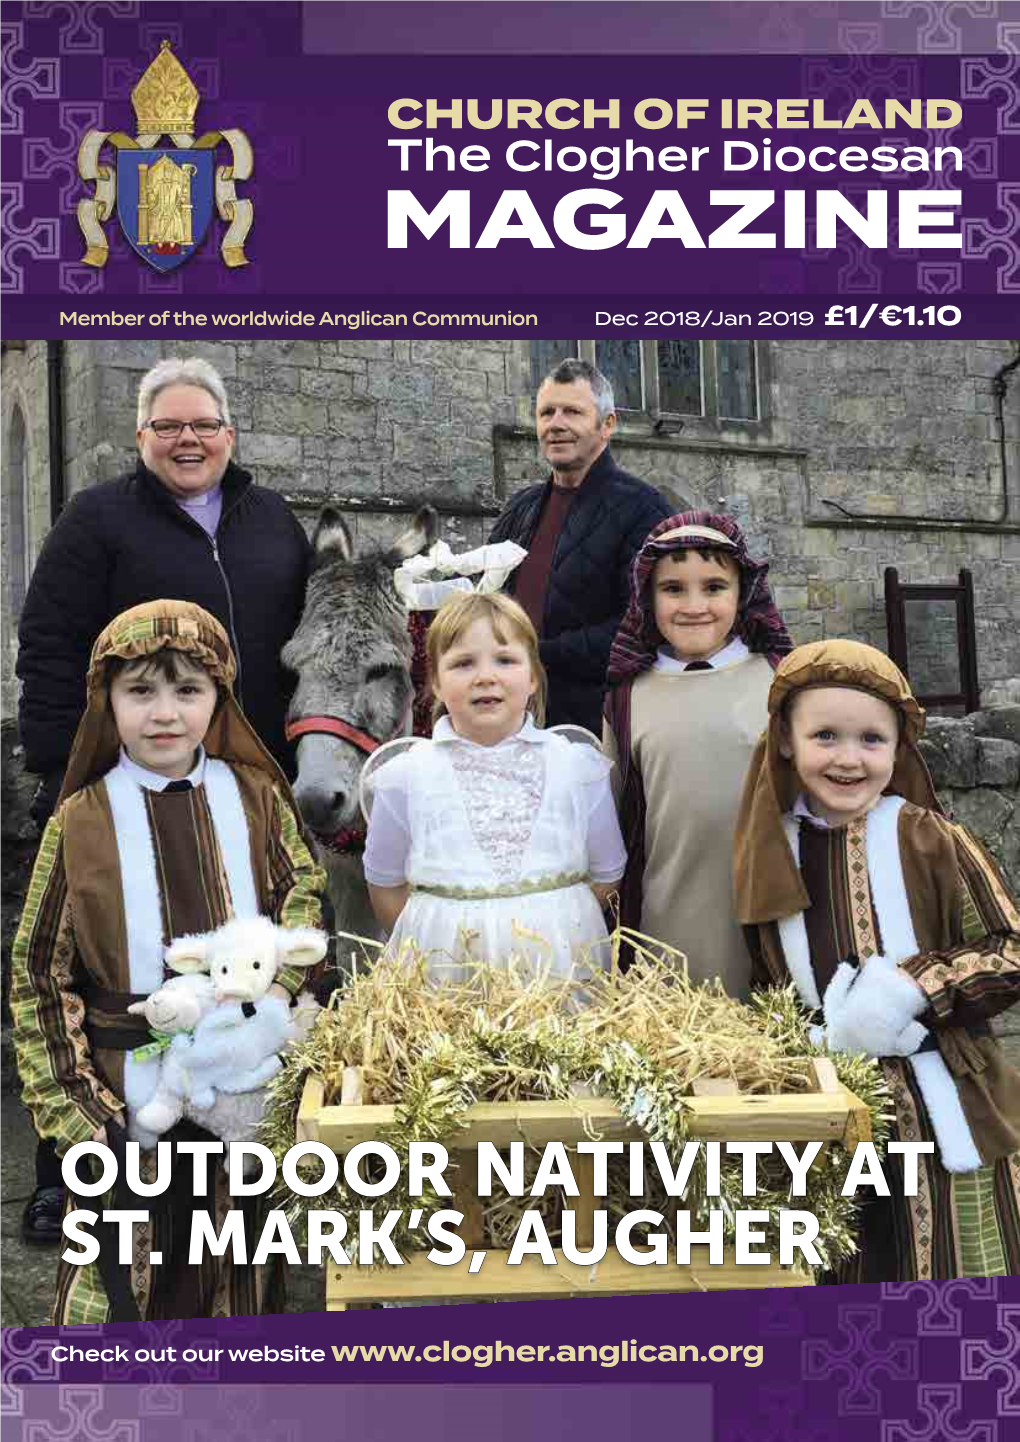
(508,620)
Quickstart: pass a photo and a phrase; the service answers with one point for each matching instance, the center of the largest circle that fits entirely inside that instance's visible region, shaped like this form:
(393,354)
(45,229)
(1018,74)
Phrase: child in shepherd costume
(173,819)
(689,675)
(901,938)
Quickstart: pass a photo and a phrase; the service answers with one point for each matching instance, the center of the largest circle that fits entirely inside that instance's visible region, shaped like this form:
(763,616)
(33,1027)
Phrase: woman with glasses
(187,524)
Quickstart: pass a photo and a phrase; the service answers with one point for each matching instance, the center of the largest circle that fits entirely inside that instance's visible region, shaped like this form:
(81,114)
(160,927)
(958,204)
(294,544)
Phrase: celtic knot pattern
(77,279)
(781,1413)
(244,1413)
(941,1312)
(160,1374)
(33,240)
(862,1356)
(939,32)
(84,1417)
(939,1403)
(982,239)
(995,74)
(869,77)
(981,1360)
(37,78)
(43,158)
(27,1358)
(939,277)
(79,34)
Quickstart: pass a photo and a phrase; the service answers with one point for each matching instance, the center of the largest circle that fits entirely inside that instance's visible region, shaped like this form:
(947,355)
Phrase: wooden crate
(717,1112)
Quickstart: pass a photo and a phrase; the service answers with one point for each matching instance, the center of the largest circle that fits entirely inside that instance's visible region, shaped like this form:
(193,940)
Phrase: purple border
(644,27)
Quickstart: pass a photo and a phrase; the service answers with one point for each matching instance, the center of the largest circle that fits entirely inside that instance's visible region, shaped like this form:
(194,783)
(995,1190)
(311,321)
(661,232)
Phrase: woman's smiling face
(188,465)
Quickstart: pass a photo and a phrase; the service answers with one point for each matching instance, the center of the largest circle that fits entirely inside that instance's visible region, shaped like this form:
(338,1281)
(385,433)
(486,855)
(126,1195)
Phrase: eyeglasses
(205,428)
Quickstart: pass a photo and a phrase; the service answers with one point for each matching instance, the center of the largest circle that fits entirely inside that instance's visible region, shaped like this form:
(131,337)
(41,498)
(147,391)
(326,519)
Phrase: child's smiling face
(485,683)
(162,720)
(696,596)
(843,745)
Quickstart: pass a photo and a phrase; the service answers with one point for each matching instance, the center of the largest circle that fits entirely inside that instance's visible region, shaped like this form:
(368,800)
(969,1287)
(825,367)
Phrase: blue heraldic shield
(165,202)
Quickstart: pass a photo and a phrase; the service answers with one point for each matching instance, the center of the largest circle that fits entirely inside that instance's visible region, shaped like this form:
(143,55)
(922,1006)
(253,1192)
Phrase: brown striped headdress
(143,631)
(767,881)
(759,624)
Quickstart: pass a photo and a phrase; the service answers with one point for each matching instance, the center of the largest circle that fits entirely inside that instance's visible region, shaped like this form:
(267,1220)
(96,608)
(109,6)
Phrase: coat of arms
(164,196)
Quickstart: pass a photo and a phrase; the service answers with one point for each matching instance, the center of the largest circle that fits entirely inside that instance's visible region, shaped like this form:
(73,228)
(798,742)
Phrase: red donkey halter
(348,838)
(333,726)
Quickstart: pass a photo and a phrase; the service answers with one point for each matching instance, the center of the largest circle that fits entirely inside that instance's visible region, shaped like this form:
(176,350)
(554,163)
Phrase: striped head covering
(142,631)
(768,884)
(759,624)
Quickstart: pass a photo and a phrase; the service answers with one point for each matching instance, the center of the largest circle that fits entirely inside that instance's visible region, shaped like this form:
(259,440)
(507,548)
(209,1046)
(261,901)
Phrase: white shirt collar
(802,811)
(443,731)
(152,780)
(733,651)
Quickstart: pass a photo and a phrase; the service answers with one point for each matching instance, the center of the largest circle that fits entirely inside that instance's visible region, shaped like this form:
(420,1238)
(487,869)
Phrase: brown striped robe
(71,941)
(968,928)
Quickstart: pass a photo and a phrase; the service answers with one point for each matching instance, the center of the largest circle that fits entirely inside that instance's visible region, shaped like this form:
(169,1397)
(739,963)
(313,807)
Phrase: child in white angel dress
(496,839)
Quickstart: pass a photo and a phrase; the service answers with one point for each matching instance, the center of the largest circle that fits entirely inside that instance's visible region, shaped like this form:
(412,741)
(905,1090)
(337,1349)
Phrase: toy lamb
(227,1032)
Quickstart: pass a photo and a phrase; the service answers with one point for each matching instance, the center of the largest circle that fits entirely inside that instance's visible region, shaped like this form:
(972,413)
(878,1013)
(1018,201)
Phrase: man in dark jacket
(187,524)
(582,529)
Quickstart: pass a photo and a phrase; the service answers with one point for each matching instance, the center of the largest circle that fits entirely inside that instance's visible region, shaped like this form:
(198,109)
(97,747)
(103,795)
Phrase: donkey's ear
(331,534)
(421,534)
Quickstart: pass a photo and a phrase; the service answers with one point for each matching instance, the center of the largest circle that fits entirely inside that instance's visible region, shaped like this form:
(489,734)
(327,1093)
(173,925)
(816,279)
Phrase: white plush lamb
(227,1032)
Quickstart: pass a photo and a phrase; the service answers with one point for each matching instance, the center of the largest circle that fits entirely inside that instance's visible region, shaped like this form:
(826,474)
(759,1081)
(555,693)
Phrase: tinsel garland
(495,1039)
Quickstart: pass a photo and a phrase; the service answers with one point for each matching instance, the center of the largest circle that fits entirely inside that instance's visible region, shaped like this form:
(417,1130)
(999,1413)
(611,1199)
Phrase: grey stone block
(950,749)
(998,762)
(18,787)
(1000,721)
(282,413)
(259,449)
(330,384)
(390,382)
(365,349)
(985,812)
(1009,850)
(295,352)
(352,418)
(221,354)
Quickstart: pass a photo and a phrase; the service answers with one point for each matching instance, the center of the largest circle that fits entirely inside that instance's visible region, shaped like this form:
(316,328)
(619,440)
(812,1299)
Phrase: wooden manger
(717,1112)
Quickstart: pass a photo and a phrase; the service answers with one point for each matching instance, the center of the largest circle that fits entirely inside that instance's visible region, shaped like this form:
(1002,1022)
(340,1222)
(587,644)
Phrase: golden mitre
(165,99)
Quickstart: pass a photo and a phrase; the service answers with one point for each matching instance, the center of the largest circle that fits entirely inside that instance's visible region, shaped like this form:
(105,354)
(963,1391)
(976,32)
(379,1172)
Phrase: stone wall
(899,428)
(975,764)
(902,429)
(25,514)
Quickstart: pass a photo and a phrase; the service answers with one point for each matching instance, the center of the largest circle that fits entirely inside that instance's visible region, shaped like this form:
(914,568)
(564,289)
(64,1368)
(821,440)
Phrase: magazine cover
(511,720)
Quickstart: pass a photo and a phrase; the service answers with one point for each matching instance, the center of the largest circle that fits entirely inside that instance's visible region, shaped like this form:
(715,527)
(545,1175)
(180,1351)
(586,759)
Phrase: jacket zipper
(186,520)
(230,616)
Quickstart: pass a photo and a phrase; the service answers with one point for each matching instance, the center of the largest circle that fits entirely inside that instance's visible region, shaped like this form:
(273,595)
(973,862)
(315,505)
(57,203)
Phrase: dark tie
(698,666)
(177,786)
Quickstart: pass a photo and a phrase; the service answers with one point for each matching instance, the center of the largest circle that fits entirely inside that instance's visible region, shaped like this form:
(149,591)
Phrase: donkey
(352,655)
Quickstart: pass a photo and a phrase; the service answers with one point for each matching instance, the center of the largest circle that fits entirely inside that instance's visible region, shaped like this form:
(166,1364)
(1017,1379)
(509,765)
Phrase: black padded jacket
(589,581)
(126,541)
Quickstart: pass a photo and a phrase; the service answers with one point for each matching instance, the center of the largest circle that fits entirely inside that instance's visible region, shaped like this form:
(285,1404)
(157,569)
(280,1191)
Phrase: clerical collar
(731,653)
(205,498)
(153,780)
